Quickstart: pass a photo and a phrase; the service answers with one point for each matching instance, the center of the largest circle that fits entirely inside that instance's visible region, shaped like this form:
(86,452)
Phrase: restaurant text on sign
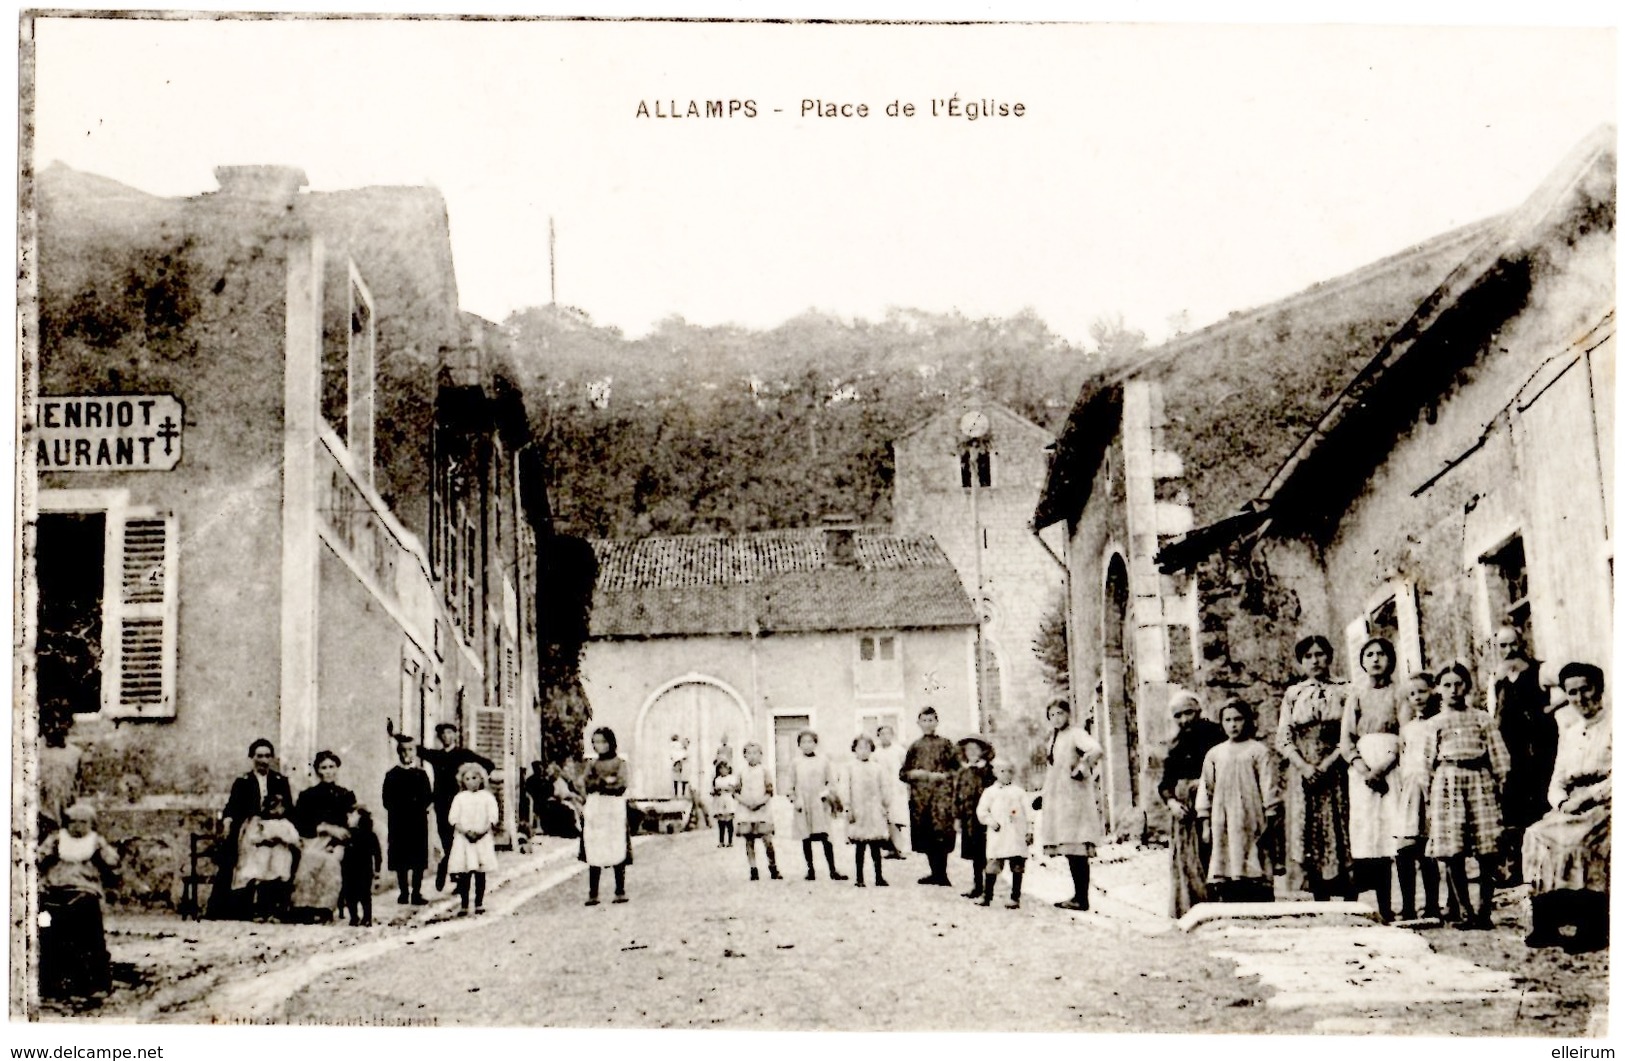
(86,433)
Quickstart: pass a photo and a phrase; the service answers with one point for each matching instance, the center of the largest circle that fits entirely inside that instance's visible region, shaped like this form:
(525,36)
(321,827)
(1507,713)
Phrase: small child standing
(974,778)
(1002,811)
(867,788)
(73,959)
(363,859)
(265,851)
(723,804)
(1237,801)
(813,799)
(1411,818)
(754,816)
(473,818)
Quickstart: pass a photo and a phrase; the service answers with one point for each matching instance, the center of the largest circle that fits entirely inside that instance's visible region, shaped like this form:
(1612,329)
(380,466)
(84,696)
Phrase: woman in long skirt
(1194,737)
(1308,737)
(605,838)
(1071,823)
(1370,744)
(1565,854)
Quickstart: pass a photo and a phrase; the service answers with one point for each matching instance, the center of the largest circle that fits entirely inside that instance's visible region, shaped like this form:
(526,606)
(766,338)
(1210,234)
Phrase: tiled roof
(774,581)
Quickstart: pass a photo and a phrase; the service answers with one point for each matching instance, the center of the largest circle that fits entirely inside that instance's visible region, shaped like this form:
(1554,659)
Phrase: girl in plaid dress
(1470,765)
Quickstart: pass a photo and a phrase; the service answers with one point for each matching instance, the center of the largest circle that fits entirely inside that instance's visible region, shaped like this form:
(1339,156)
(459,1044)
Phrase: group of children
(1424,773)
(994,814)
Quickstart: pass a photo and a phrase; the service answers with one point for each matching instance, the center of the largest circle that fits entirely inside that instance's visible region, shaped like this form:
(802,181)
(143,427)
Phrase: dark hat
(977,738)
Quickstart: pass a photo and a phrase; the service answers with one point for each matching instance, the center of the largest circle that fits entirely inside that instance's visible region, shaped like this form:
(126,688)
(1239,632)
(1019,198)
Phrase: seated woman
(1565,853)
(267,848)
(321,814)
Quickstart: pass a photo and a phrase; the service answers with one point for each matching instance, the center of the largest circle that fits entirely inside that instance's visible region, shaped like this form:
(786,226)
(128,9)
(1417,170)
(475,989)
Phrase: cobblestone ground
(699,945)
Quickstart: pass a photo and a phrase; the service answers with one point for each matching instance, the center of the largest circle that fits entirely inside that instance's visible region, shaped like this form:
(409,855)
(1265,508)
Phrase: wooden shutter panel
(490,738)
(140,683)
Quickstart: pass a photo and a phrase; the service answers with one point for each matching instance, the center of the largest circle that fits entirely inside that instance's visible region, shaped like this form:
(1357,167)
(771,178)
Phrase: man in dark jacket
(447,760)
(247,799)
(1523,714)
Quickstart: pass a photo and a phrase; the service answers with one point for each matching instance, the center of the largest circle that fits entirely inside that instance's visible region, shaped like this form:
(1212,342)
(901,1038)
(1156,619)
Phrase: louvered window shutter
(490,738)
(140,681)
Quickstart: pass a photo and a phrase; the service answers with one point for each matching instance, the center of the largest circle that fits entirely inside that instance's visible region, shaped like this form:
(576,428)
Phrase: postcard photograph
(814,526)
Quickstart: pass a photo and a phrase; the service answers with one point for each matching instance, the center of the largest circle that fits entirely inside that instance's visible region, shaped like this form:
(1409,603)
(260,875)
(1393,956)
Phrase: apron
(1374,817)
(603,830)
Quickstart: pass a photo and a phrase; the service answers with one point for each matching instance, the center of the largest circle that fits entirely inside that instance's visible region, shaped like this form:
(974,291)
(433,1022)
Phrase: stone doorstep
(1265,915)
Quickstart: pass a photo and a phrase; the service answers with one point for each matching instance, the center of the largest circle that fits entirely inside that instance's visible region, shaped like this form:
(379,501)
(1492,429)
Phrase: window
(349,360)
(107,607)
(879,670)
(1506,580)
(984,468)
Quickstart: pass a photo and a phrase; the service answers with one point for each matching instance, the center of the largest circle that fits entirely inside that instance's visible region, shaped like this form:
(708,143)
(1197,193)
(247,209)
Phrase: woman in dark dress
(1523,714)
(1309,738)
(1194,737)
(409,808)
(320,816)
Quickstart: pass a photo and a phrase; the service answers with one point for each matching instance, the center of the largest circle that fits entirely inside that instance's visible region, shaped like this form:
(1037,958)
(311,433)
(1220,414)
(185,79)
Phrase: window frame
(878,677)
(118,513)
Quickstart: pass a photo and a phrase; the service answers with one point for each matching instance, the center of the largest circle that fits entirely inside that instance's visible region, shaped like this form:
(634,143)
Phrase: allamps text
(819,108)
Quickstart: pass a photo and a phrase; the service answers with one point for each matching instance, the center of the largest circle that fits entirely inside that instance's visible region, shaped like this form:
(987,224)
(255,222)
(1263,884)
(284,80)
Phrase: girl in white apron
(605,839)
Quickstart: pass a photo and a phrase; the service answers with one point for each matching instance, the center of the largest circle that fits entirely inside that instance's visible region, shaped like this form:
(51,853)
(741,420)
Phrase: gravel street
(700,945)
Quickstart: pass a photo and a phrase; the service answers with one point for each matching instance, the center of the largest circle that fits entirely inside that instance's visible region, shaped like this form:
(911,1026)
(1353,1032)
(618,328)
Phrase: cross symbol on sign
(168,432)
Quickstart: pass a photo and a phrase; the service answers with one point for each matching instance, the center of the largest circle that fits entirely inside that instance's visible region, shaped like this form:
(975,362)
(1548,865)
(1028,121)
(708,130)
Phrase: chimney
(271,185)
(841,540)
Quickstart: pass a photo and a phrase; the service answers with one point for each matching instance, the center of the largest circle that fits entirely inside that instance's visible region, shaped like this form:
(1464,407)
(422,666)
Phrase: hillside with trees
(696,429)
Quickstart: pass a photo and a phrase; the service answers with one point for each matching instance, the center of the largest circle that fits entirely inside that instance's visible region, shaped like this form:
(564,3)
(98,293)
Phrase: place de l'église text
(954,107)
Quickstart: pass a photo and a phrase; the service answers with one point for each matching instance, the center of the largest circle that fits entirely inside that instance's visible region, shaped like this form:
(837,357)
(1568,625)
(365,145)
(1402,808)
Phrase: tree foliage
(723,429)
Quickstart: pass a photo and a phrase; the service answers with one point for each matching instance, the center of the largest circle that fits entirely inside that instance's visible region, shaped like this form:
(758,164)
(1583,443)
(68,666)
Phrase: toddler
(1002,811)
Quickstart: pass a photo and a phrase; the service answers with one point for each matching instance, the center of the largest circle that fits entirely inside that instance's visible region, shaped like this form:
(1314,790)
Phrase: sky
(1165,173)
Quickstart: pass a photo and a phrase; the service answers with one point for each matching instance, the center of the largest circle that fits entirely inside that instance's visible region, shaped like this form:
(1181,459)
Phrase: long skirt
(1563,851)
(605,837)
(73,948)
(1188,857)
(320,876)
(1317,832)
(1373,815)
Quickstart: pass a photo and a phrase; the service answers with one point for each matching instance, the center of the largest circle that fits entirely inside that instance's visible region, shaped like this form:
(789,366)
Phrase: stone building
(1418,448)
(247,560)
(975,495)
(758,636)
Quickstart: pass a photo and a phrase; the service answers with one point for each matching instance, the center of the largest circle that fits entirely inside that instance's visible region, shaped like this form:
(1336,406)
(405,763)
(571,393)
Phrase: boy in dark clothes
(363,859)
(974,778)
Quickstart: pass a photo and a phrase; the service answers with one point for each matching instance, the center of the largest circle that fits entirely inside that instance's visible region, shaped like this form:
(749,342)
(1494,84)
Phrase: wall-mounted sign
(108,432)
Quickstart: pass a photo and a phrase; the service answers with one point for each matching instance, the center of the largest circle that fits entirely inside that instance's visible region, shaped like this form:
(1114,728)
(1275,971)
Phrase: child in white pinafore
(867,786)
(473,818)
(812,797)
(1003,808)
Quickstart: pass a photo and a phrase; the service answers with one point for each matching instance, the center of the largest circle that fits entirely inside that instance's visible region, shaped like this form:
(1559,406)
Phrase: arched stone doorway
(695,706)
(1119,728)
